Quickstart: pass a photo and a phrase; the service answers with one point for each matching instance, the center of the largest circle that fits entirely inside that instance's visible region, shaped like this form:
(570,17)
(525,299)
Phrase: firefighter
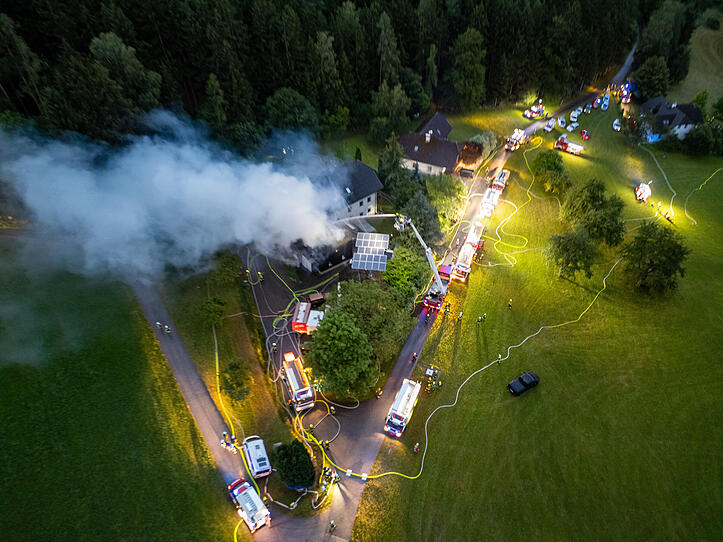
(159,325)
(379,393)
(166,329)
(416,448)
(460,316)
(261,276)
(414,356)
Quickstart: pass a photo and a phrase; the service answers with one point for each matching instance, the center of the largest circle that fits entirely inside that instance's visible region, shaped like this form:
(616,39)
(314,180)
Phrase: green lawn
(96,442)
(706,67)
(622,439)
(345,149)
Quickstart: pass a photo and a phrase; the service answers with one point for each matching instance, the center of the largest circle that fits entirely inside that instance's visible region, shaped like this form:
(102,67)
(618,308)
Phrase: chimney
(428,136)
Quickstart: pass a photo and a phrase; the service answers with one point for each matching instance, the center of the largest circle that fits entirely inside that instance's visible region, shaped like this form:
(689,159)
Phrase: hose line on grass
(685,207)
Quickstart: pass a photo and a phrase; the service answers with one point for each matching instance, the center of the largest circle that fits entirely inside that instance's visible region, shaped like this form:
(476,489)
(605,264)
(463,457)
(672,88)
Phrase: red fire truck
(566,145)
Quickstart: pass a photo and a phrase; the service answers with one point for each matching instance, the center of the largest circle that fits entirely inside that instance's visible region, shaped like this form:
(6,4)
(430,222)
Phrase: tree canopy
(572,252)
(406,272)
(294,465)
(587,206)
(548,169)
(447,195)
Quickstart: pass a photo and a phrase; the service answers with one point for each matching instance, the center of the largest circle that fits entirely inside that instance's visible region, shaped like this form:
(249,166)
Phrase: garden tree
(389,62)
(702,140)
(377,313)
(294,465)
(548,169)
(20,69)
(235,381)
(412,86)
(652,77)
(358,154)
(654,258)
(211,311)
(468,73)
(424,217)
(341,355)
(701,100)
(390,160)
(389,109)
(334,124)
(227,269)
(488,140)
(632,128)
(397,180)
(447,195)
(571,252)
(244,135)
(213,110)
(327,82)
(588,207)
(431,74)
(289,109)
(406,272)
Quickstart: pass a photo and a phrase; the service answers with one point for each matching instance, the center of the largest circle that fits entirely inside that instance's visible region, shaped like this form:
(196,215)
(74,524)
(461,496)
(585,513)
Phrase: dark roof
(362,182)
(672,114)
(438,152)
(439,126)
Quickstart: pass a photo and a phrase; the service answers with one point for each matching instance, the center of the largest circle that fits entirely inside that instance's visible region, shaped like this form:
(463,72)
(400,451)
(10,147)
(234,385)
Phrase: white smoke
(173,197)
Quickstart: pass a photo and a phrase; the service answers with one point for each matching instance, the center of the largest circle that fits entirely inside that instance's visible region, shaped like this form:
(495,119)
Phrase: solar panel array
(370,252)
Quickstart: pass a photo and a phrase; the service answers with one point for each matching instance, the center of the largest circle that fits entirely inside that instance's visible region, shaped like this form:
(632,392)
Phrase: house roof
(362,182)
(439,126)
(438,152)
(672,114)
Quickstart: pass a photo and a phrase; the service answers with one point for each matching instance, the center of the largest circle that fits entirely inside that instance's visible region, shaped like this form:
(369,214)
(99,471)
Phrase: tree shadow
(572,281)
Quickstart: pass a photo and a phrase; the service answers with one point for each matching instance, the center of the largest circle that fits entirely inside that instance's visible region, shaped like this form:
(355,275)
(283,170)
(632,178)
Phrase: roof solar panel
(369,262)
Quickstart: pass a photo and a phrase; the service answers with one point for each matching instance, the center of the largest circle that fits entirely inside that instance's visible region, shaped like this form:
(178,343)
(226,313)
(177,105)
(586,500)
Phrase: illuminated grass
(621,440)
(96,440)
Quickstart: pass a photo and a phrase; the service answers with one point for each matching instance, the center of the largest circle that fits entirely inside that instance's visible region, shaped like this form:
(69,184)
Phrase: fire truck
(535,111)
(402,408)
(517,138)
(466,255)
(566,145)
(435,296)
(300,391)
(305,319)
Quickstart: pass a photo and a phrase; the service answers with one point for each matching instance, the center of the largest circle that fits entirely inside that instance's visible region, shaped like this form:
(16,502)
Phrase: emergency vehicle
(248,504)
(535,111)
(500,181)
(463,265)
(489,202)
(517,138)
(305,319)
(402,408)
(256,456)
(625,93)
(566,145)
(297,383)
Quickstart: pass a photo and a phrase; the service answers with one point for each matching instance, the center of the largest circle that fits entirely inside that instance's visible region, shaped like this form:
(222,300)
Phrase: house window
(369,210)
(369,199)
(361,214)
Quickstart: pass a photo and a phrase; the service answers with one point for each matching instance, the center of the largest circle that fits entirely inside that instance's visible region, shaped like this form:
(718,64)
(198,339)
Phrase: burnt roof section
(674,114)
(439,126)
(363,181)
(438,152)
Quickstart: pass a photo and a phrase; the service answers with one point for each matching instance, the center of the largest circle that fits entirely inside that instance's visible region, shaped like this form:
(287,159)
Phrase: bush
(211,311)
(548,169)
(235,381)
(488,140)
(294,465)
(710,18)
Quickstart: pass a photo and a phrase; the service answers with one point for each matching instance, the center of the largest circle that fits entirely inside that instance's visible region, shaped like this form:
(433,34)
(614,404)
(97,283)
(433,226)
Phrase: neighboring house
(428,150)
(360,191)
(679,118)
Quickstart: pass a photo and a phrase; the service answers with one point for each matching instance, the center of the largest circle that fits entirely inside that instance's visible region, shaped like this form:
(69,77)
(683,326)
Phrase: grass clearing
(96,440)
(621,440)
(706,67)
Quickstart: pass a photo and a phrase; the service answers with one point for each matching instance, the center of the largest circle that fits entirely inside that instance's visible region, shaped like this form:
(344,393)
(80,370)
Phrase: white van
(249,505)
(256,456)
(402,408)
(574,115)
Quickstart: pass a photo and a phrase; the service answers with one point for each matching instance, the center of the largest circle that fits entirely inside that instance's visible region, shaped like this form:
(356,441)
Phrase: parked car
(525,382)
(561,121)
(596,103)
(604,106)
(617,125)
(550,125)
(467,173)
(588,109)
(585,134)
(572,127)
(575,114)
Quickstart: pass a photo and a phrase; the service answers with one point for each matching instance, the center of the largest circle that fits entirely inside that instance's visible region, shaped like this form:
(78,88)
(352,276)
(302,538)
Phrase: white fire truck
(566,145)
(517,138)
(300,391)
(402,408)
(463,265)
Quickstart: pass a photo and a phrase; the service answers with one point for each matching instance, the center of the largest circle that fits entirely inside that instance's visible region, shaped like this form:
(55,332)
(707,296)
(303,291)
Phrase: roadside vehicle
(248,504)
(604,106)
(524,382)
(565,145)
(463,265)
(466,173)
(550,125)
(534,111)
(596,102)
(256,456)
(561,121)
(617,125)
(500,181)
(588,109)
(572,127)
(489,202)
(297,383)
(575,114)
(585,134)
(402,408)
(517,138)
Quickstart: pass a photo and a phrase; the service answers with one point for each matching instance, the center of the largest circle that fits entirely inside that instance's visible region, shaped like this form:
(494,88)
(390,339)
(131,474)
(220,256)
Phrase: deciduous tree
(406,272)
(571,252)
(289,109)
(294,465)
(424,216)
(653,77)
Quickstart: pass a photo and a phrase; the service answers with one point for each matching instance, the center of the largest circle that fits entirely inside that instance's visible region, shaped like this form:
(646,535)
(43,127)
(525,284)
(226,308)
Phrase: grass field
(706,67)
(621,440)
(96,442)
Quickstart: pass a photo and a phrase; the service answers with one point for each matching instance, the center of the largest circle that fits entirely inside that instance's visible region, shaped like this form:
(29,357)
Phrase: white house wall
(362,207)
(426,169)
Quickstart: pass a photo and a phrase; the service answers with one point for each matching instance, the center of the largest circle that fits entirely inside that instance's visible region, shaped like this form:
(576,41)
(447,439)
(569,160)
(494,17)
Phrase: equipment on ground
(402,408)
(305,319)
(248,504)
(297,383)
(566,145)
(435,295)
(517,138)
(643,192)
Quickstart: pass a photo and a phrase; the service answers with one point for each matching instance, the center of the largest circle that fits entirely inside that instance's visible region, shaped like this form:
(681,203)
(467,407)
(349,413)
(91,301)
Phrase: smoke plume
(170,197)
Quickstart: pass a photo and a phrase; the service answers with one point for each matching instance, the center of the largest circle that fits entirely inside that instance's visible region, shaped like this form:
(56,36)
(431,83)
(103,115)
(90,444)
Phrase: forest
(245,67)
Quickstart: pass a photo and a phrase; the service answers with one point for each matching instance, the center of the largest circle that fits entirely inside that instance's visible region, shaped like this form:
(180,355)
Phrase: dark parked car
(525,382)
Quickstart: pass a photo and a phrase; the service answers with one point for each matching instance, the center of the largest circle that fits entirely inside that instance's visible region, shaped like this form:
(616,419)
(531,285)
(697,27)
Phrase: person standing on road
(332,526)
(509,304)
